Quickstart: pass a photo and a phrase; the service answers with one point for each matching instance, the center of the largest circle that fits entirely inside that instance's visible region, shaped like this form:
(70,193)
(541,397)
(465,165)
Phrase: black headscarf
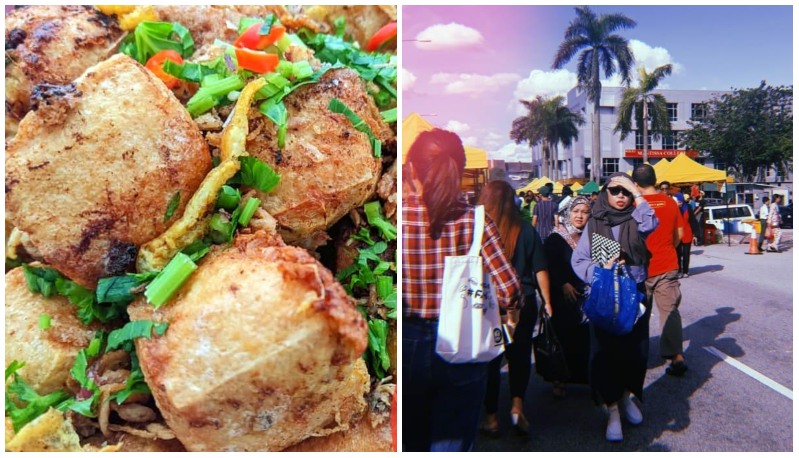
(604,217)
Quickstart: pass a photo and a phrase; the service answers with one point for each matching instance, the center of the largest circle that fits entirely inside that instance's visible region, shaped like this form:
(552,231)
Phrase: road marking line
(751,372)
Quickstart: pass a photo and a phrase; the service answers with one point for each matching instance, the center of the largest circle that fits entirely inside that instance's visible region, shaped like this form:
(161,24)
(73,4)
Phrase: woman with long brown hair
(523,247)
(441,400)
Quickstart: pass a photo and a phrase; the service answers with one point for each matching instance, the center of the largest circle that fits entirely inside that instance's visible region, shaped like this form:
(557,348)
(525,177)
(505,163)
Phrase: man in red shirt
(662,278)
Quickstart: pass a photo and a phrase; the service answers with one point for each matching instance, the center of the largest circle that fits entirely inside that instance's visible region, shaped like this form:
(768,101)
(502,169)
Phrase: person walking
(763,217)
(523,247)
(663,284)
(567,293)
(442,401)
(527,209)
(774,221)
(700,217)
(684,248)
(545,213)
(617,366)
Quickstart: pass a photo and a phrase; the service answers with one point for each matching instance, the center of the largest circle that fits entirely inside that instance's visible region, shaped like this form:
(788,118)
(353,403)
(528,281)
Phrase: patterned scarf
(567,230)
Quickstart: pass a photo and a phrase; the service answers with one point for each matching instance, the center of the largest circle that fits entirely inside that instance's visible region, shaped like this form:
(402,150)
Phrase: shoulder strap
(479,228)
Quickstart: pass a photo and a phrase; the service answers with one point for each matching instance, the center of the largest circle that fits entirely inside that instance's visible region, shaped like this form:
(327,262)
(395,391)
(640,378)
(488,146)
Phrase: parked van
(721,215)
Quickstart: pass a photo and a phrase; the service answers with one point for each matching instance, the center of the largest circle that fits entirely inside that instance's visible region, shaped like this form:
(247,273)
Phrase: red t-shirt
(687,233)
(661,241)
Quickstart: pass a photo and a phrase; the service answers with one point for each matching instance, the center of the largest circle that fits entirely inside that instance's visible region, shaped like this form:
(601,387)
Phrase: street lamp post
(646,136)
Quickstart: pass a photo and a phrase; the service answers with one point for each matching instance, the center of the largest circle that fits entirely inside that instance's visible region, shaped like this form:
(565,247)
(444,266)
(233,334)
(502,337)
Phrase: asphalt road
(733,304)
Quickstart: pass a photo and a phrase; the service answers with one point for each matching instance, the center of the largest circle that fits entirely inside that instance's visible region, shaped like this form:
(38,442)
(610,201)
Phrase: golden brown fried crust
(48,353)
(91,172)
(208,23)
(262,351)
(327,167)
(54,45)
(369,434)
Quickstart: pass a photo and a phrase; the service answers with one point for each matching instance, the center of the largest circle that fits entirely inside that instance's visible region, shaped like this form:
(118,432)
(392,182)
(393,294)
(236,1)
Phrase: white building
(618,155)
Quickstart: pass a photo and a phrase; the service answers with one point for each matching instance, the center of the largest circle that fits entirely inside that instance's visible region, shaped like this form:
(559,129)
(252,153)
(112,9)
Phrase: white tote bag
(469,327)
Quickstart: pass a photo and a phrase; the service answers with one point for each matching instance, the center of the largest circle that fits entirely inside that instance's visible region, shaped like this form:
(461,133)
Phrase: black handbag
(550,358)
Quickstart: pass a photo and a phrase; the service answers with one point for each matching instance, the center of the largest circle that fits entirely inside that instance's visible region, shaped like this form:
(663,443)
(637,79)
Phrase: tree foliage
(601,52)
(632,104)
(547,122)
(749,130)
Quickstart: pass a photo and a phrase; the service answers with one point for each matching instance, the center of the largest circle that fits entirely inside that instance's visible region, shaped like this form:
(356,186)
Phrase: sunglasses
(616,191)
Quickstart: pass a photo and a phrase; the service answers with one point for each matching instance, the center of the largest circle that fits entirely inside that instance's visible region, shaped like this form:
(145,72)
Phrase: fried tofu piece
(327,167)
(372,433)
(263,350)
(49,432)
(91,172)
(48,353)
(52,45)
(362,21)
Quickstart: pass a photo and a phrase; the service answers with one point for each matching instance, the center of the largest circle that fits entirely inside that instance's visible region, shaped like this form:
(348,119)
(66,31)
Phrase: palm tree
(646,106)
(601,51)
(548,122)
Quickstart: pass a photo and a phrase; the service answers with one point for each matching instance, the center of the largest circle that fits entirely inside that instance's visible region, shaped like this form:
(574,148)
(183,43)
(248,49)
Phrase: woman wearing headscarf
(567,292)
(617,365)
(684,248)
(441,401)
(523,247)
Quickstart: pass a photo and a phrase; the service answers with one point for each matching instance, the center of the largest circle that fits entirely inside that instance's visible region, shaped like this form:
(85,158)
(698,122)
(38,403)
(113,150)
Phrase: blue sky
(481,60)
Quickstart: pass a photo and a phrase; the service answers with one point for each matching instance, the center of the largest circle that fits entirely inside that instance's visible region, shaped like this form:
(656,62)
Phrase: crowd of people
(537,251)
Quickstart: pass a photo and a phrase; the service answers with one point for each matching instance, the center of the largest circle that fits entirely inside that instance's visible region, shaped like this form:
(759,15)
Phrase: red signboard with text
(659,153)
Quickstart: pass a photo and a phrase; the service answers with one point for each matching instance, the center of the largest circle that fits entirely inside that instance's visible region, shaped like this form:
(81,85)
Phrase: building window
(609,166)
(672,110)
(719,166)
(587,170)
(698,111)
(670,141)
(639,140)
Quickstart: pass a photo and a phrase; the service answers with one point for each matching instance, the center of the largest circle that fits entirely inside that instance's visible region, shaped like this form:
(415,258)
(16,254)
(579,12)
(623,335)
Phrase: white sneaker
(613,433)
(631,411)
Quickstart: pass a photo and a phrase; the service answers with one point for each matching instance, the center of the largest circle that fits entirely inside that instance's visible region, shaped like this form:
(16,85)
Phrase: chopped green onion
(229,198)
(301,70)
(389,116)
(44,321)
(211,91)
(172,206)
(378,347)
(169,280)
(248,211)
(200,103)
(285,68)
(337,106)
(375,218)
(220,227)
(196,250)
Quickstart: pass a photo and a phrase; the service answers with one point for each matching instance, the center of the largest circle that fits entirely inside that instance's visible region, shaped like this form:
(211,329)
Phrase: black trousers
(762,235)
(519,355)
(684,257)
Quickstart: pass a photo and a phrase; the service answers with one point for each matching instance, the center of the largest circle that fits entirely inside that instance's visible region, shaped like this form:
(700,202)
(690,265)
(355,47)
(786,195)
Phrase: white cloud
(458,127)
(473,84)
(544,83)
(653,57)
(407,79)
(512,152)
(448,36)
(493,141)
(470,141)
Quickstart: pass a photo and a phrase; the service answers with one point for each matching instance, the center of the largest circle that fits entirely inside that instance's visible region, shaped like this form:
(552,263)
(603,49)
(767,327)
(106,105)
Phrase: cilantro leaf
(151,37)
(23,403)
(375,217)
(134,330)
(378,358)
(172,206)
(257,174)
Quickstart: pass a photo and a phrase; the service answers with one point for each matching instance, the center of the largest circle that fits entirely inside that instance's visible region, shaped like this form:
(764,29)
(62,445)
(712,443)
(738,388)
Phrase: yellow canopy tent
(661,168)
(476,174)
(683,169)
(476,158)
(412,126)
(529,186)
(576,186)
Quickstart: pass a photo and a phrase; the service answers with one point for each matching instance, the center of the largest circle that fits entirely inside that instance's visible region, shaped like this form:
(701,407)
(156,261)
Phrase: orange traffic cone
(753,245)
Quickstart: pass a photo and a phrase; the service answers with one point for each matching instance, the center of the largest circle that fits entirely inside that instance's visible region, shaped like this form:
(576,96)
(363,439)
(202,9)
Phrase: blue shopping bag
(613,304)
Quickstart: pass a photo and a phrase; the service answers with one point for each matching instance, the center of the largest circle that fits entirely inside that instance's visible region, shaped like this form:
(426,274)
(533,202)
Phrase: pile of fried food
(200,228)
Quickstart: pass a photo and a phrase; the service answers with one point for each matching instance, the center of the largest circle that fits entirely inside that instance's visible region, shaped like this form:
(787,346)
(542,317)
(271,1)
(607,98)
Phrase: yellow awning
(576,186)
(683,169)
(412,126)
(476,158)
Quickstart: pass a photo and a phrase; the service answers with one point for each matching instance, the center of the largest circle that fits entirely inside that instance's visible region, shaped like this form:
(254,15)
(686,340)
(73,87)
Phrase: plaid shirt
(423,258)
